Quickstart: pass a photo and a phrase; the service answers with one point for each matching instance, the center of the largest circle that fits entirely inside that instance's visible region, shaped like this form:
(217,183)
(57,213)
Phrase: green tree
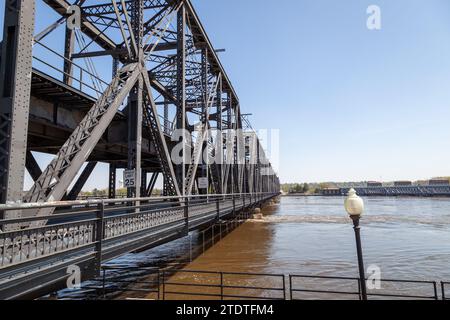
(305,188)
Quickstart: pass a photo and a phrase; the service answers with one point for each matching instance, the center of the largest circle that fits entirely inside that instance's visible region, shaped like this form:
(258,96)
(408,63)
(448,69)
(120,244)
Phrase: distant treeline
(100,193)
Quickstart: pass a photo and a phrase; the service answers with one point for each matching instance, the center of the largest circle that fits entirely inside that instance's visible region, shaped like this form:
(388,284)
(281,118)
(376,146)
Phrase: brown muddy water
(407,238)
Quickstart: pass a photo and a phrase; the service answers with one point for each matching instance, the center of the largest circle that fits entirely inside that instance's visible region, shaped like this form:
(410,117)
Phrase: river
(407,238)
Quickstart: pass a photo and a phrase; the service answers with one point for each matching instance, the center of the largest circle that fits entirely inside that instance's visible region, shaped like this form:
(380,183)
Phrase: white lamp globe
(354,205)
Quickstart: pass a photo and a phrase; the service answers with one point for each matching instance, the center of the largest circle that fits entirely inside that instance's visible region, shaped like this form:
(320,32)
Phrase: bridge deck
(34,260)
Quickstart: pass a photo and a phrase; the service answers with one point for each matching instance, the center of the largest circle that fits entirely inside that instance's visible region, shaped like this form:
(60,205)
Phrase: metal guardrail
(79,224)
(87,233)
(225,285)
(118,283)
(305,289)
(217,285)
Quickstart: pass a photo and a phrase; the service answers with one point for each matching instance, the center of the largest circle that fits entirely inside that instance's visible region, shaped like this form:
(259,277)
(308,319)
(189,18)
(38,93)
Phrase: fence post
(104,284)
(159,284)
(218,209)
(435,290)
(99,226)
(221,286)
(359,289)
(186,214)
(443,290)
(290,287)
(163,285)
(284,287)
(234,205)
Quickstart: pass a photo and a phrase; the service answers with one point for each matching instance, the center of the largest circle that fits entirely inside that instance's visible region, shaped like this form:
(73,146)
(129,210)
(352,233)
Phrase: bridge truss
(166,77)
(134,84)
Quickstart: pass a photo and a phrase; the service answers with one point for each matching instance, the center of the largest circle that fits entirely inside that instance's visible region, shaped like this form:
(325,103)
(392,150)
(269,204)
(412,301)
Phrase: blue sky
(350,103)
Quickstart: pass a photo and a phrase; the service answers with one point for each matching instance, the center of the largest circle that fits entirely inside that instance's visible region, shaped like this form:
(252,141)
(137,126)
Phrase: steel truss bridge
(114,83)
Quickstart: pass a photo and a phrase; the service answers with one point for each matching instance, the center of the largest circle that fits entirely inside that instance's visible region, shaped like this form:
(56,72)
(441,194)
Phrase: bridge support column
(15,87)
(181,91)
(135,104)
(68,51)
(112,181)
(144,183)
(100,228)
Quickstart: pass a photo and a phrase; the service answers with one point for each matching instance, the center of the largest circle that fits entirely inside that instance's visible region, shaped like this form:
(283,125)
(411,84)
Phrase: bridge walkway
(34,259)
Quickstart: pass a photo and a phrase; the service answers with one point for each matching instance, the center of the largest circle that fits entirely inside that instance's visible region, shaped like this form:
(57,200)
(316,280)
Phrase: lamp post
(354,206)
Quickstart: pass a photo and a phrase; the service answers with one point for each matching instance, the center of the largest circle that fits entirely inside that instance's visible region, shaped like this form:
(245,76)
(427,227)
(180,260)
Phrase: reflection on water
(408,238)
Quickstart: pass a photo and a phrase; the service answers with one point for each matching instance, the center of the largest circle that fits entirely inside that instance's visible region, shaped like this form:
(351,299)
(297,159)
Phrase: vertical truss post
(69,44)
(219,141)
(205,81)
(204,120)
(135,137)
(258,170)
(115,66)
(15,86)
(112,181)
(231,145)
(181,90)
(135,107)
(166,117)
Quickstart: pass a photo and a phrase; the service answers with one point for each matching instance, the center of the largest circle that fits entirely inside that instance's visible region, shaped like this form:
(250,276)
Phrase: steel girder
(59,174)
(157,132)
(15,88)
(190,85)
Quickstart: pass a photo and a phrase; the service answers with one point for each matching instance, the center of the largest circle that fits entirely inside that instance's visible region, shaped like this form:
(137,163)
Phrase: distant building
(374,184)
(402,183)
(439,182)
(331,192)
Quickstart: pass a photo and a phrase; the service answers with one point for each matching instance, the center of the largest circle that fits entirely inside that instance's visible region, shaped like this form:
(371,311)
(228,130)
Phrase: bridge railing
(302,287)
(83,226)
(46,60)
(176,282)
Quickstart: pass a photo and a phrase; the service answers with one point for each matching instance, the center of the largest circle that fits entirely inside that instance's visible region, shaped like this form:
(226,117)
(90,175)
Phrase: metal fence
(223,285)
(83,224)
(303,287)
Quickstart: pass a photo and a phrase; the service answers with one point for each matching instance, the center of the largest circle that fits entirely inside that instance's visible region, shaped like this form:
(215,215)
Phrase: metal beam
(88,28)
(15,89)
(112,181)
(69,45)
(153,124)
(78,186)
(121,52)
(58,175)
(32,166)
(135,105)
(181,90)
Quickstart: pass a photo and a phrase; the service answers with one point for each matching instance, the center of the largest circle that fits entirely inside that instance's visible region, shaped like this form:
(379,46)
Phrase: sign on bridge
(129,178)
